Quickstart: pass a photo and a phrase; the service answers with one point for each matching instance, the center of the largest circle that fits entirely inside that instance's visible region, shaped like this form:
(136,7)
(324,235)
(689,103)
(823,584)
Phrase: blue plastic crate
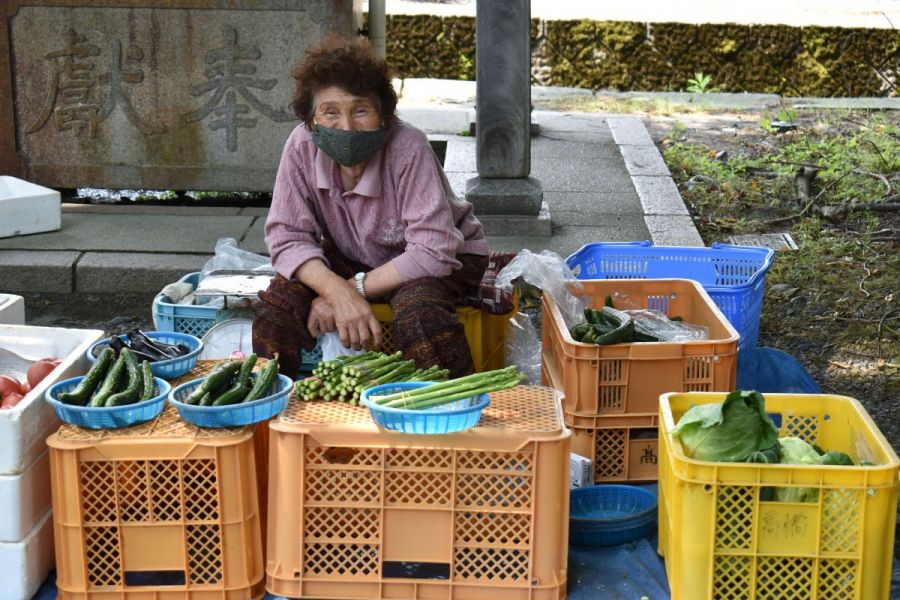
(101,417)
(446,418)
(197,319)
(235,415)
(733,276)
(609,515)
(167,369)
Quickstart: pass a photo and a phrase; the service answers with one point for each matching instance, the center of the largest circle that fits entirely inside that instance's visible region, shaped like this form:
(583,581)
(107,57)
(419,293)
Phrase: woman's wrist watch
(360,279)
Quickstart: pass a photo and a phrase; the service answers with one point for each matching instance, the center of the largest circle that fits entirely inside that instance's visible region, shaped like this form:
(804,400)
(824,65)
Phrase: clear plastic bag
(549,272)
(657,324)
(523,347)
(229,257)
(332,347)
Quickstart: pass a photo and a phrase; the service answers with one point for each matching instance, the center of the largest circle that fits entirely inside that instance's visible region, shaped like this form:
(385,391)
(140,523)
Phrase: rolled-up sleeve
(432,239)
(292,233)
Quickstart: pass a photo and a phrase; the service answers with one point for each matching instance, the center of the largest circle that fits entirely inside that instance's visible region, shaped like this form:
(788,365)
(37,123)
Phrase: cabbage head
(727,432)
(795,451)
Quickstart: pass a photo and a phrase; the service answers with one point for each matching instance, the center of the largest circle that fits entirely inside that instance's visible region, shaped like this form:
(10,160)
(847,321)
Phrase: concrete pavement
(602,176)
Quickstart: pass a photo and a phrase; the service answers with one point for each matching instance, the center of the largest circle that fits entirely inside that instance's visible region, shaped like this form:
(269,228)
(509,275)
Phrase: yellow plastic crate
(356,511)
(161,510)
(485,332)
(720,541)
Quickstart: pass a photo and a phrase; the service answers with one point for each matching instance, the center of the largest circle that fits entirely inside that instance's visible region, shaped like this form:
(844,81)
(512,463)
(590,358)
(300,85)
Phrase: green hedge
(793,61)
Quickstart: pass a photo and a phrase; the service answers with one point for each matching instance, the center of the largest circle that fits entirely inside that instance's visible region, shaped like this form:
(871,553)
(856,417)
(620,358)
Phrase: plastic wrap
(549,272)
(657,324)
(523,347)
(229,257)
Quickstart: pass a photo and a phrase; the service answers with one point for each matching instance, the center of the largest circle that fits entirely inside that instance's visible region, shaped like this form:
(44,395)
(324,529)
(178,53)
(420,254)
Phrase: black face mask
(348,148)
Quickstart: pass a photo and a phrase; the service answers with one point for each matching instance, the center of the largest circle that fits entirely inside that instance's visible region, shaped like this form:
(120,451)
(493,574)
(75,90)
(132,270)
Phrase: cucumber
(81,394)
(110,383)
(240,389)
(149,383)
(264,381)
(218,379)
(624,327)
(135,384)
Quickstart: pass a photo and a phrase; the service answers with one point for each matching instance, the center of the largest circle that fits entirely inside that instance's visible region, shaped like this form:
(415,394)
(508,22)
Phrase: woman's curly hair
(349,64)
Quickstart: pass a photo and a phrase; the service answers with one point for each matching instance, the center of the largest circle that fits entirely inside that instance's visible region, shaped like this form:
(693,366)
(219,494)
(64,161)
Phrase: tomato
(10,400)
(9,385)
(38,371)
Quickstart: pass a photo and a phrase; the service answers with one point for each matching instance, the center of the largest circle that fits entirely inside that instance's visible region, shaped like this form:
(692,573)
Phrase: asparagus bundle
(452,390)
(344,378)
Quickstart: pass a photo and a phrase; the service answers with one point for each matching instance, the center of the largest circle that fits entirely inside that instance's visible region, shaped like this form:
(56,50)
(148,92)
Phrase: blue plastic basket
(167,369)
(733,276)
(197,319)
(447,418)
(113,417)
(235,415)
(609,515)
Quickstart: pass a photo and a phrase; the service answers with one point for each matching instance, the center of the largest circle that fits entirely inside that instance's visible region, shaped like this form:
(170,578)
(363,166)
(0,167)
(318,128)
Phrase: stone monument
(146,94)
(503,118)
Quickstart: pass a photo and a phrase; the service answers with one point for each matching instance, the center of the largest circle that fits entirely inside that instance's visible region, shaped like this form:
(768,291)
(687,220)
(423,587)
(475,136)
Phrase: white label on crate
(581,471)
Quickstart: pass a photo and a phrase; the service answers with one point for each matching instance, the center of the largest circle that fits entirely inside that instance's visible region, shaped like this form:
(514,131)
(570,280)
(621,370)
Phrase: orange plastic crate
(360,512)
(722,542)
(629,378)
(621,447)
(162,510)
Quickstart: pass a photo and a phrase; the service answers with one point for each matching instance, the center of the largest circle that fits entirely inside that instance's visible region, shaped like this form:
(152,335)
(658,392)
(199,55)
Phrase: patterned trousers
(425,326)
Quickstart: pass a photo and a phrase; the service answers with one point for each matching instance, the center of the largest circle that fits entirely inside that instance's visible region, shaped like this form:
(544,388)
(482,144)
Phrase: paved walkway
(603,179)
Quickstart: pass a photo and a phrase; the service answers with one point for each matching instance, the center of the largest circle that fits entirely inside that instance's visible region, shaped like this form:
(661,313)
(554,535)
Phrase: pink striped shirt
(402,210)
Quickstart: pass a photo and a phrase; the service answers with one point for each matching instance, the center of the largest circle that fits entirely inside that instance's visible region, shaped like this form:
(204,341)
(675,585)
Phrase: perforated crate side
(485,333)
(383,516)
(721,540)
(178,519)
(621,448)
(629,378)
(196,320)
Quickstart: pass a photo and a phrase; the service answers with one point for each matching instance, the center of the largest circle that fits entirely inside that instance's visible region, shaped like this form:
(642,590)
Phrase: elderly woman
(362,212)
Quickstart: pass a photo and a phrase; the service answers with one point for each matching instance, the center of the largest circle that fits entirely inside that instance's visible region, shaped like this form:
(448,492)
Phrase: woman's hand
(353,318)
(321,317)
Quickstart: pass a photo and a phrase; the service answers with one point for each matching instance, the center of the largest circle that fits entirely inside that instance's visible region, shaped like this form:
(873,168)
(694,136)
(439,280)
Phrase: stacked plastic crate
(360,512)
(26,530)
(163,509)
(611,393)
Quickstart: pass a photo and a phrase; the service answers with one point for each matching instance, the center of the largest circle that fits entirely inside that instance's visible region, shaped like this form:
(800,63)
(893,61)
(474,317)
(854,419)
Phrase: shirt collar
(369,184)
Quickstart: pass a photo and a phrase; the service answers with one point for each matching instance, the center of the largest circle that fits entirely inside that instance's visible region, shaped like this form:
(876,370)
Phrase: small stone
(783,290)
(120,320)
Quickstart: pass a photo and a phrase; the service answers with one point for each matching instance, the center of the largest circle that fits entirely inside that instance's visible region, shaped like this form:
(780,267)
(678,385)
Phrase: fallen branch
(863,280)
(884,180)
(833,213)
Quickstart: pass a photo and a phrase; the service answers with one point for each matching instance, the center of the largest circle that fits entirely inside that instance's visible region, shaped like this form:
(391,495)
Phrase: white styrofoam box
(25,427)
(25,498)
(27,208)
(581,471)
(12,309)
(27,563)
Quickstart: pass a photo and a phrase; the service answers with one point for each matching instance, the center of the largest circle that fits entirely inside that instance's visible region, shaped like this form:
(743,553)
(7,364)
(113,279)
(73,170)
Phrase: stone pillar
(503,111)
